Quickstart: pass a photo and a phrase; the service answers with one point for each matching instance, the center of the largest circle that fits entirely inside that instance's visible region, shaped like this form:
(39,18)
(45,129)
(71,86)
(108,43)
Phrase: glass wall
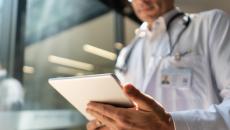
(5,32)
(64,38)
(2,48)
(61,39)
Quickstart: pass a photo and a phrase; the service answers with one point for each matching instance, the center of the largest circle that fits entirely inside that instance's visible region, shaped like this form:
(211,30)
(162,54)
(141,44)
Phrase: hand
(146,115)
(96,125)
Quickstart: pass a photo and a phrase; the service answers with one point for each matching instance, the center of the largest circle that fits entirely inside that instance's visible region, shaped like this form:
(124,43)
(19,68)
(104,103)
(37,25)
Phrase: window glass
(3,45)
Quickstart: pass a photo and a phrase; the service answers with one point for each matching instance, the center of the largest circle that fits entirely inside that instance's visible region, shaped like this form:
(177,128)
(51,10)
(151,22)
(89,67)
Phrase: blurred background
(42,39)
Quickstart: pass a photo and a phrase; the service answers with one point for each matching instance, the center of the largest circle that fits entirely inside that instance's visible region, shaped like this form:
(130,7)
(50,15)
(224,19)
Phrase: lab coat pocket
(181,71)
(194,64)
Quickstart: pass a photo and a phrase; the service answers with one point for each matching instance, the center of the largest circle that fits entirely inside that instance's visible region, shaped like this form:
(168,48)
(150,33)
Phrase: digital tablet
(79,91)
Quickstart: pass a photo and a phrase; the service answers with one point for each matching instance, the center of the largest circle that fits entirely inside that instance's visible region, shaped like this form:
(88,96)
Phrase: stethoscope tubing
(187,21)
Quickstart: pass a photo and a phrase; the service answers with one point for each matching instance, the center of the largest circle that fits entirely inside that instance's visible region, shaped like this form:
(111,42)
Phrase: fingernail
(98,124)
(87,110)
(129,88)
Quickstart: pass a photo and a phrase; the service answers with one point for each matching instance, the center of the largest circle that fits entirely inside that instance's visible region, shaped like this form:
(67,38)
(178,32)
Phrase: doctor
(180,60)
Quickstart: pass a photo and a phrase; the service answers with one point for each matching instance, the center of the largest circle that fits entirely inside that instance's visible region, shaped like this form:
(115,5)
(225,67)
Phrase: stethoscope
(186,21)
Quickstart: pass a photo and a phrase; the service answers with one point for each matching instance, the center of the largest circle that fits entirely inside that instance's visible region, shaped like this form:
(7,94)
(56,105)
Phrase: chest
(188,58)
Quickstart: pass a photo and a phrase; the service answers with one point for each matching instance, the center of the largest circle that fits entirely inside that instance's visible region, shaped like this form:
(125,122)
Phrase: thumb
(143,102)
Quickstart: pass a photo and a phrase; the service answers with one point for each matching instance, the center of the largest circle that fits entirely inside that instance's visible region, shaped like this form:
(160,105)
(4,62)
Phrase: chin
(150,15)
(148,18)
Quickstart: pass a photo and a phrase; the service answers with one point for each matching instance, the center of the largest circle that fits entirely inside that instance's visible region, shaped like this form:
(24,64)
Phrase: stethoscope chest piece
(179,55)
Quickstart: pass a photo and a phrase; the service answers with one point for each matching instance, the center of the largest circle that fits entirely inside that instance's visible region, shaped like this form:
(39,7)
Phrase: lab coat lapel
(163,50)
(151,73)
(135,73)
(140,68)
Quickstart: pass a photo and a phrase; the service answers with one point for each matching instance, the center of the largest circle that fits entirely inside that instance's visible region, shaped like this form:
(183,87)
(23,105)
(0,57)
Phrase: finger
(144,102)
(92,125)
(104,109)
(103,128)
(104,119)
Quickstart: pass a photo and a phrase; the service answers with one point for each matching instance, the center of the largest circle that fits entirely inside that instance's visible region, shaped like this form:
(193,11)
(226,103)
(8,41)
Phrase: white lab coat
(202,100)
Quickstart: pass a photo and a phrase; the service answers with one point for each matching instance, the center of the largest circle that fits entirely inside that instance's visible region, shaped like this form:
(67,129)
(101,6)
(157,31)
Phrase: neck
(151,21)
(150,25)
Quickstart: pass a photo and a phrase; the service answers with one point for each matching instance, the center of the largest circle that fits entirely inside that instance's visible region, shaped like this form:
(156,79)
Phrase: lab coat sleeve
(217,117)
(119,65)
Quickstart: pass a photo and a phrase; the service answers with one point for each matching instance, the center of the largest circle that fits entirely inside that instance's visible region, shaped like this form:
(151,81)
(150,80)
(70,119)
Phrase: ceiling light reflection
(70,63)
(28,69)
(99,52)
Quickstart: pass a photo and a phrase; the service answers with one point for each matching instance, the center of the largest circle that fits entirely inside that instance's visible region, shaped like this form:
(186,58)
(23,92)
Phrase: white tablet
(79,91)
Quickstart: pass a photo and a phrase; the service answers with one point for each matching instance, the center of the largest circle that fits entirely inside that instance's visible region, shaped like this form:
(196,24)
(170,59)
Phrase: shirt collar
(162,21)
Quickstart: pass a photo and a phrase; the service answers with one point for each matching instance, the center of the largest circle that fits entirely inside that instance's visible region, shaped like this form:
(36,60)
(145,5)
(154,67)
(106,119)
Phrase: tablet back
(79,91)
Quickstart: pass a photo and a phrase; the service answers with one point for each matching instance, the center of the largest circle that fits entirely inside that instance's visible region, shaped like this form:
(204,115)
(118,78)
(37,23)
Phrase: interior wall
(194,6)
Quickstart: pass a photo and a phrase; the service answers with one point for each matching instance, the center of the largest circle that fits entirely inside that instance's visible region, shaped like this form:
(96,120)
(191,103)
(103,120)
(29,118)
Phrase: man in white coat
(191,51)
